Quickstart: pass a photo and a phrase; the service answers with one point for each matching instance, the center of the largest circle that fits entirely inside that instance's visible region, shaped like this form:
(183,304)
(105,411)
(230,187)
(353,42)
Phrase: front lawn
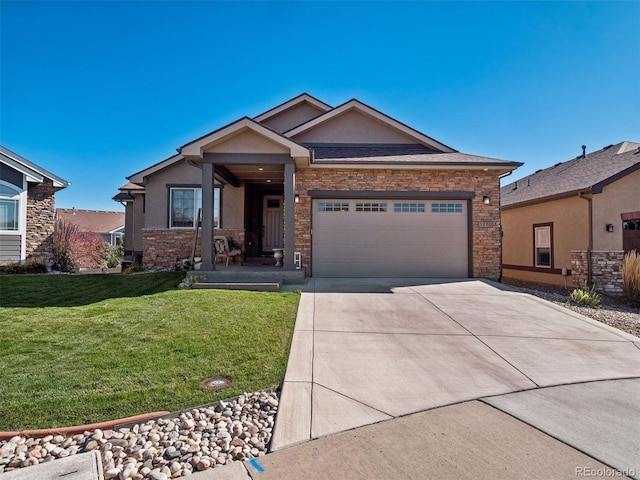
(98,347)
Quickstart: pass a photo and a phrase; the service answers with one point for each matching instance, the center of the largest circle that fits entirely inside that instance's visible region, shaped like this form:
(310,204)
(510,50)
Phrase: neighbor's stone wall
(163,247)
(486,218)
(606,269)
(40,220)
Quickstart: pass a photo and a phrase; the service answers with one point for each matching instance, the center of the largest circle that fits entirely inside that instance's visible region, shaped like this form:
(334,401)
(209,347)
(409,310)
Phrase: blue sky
(96,91)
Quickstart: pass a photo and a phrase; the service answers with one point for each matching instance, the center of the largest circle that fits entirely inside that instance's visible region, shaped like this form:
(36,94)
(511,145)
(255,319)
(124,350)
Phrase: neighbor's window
(9,208)
(542,238)
(185,203)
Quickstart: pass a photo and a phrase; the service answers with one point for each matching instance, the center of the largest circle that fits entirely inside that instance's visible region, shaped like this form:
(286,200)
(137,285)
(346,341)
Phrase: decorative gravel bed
(613,311)
(164,448)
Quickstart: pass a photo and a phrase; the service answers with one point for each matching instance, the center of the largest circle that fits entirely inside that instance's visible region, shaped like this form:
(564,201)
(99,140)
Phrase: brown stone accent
(163,247)
(486,218)
(606,269)
(40,220)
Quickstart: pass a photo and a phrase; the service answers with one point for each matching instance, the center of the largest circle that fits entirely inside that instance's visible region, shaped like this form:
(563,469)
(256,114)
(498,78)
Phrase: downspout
(500,212)
(590,245)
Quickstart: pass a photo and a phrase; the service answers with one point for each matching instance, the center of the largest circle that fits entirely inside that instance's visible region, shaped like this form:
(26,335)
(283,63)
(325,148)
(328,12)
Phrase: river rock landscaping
(168,447)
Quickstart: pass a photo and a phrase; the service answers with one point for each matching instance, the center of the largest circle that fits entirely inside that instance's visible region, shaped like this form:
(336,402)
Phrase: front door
(272,225)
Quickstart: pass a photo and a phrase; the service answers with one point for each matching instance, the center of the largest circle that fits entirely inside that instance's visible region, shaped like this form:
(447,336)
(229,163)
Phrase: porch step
(253,286)
(251,275)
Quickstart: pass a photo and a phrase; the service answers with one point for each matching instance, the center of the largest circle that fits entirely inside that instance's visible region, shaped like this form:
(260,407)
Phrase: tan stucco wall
(181,173)
(619,197)
(570,219)
(297,115)
(354,127)
(248,141)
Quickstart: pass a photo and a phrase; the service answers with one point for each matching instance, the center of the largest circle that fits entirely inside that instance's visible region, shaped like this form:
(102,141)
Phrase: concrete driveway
(365,351)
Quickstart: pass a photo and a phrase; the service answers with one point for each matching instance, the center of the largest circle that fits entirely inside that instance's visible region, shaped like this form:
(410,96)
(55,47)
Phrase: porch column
(208,255)
(289,205)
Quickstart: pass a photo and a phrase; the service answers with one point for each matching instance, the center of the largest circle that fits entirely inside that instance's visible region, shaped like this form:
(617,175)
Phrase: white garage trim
(391,234)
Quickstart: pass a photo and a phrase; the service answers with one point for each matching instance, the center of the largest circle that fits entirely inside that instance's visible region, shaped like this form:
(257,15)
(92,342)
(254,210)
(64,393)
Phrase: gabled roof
(354,104)
(305,97)
(34,173)
(98,221)
(138,177)
(588,174)
(196,148)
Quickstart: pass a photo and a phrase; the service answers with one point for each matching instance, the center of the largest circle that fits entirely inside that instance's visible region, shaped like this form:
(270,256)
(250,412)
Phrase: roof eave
(548,198)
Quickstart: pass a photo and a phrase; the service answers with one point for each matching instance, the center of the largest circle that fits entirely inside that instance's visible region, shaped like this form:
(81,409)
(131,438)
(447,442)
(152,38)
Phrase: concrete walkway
(423,379)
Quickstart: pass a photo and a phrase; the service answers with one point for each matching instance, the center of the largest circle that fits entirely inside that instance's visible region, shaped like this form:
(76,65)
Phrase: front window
(185,204)
(542,238)
(9,208)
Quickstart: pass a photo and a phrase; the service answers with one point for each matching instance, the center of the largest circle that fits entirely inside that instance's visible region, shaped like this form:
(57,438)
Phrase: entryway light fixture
(609,227)
(296,197)
(486,199)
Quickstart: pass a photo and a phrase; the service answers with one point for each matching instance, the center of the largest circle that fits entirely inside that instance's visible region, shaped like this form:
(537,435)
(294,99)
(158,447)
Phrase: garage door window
(371,207)
(408,207)
(446,208)
(333,206)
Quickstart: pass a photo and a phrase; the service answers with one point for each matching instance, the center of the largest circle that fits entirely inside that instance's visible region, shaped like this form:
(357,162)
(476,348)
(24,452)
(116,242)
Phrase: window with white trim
(542,239)
(9,208)
(184,204)
(371,207)
(408,207)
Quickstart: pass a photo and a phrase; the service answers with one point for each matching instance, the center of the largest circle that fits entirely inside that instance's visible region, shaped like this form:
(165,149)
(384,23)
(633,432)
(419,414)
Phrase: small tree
(87,249)
(113,255)
(63,235)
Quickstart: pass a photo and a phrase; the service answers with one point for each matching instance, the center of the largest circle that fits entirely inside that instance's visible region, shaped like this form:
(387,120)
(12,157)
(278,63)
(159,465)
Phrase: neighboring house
(574,219)
(348,190)
(27,197)
(109,225)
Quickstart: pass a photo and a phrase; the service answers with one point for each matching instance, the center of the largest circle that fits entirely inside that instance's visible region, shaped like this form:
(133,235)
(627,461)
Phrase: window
(446,208)
(185,203)
(408,207)
(9,208)
(333,206)
(371,207)
(543,237)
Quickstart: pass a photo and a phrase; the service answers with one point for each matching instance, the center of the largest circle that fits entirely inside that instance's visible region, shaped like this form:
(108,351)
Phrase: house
(574,221)
(27,195)
(346,191)
(108,225)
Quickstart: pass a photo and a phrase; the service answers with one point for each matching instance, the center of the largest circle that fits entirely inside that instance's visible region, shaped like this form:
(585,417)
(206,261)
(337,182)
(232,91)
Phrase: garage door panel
(391,243)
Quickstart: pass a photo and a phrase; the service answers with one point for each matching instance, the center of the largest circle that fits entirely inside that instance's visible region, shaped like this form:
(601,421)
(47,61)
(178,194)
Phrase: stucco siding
(570,218)
(619,197)
(247,141)
(292,117)
(353,127)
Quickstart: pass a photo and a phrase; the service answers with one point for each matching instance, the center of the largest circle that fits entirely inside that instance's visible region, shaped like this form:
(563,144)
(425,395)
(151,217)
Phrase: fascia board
(138,177)
(31,175)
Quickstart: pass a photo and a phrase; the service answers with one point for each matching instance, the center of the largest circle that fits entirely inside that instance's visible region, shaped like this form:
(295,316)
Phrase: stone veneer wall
(40,221)
(606,269)
(162,247)
(486,218)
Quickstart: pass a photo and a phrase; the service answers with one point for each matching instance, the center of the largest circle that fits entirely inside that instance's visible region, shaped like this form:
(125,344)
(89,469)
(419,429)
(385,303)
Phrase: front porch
(248,277)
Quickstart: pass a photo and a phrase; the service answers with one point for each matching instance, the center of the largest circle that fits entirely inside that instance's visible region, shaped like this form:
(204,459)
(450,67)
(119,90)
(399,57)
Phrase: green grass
(81,349)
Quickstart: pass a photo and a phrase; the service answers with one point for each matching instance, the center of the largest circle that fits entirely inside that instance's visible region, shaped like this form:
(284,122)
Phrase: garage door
(388,238)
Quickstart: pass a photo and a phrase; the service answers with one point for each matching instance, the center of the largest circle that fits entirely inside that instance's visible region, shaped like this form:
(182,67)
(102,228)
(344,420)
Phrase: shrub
(585,296)
(631,276)
(30,267)
(113,255)
(63,234)
(87,249)
(133,268)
